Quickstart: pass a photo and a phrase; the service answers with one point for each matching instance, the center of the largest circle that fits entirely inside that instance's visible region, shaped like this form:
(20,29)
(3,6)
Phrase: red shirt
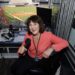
(47,40)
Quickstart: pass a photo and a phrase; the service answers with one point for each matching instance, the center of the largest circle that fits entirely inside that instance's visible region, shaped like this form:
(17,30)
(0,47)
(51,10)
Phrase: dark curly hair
(35,19)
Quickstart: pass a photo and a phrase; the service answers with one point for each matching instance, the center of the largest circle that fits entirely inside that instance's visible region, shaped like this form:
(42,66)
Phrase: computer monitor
(45,14)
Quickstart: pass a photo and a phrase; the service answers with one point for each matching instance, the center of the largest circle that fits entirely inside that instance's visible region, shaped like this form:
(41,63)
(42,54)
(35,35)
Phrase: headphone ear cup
(5,36)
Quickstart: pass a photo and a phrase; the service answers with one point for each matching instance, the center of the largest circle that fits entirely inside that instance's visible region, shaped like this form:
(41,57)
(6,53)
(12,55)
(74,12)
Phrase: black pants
(23,64)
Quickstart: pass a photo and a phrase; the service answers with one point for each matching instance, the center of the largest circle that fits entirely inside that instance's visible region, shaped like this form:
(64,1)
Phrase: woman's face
(34,28)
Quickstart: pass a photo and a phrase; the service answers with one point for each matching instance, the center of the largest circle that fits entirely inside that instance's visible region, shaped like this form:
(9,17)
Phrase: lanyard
(36,48)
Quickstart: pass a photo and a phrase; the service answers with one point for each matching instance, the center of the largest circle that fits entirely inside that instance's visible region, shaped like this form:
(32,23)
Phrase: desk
(8,48)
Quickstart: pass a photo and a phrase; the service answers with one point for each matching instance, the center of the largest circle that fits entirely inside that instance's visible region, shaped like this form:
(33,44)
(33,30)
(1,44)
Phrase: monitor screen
(45,14)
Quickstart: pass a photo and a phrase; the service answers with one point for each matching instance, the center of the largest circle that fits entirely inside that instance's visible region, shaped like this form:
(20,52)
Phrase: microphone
(27,43)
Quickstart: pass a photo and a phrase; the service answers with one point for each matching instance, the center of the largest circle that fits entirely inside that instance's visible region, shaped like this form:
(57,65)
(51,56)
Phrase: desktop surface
(12,41)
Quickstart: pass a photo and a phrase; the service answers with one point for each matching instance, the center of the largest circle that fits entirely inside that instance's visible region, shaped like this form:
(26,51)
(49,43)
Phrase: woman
(42,44)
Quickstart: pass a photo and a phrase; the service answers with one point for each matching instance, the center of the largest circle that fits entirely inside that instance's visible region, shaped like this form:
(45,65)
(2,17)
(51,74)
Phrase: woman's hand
(48,52)
(22,50)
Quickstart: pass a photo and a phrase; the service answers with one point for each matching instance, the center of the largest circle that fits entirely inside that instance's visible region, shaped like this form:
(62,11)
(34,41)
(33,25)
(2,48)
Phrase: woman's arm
(21,50)
(48,52)
(58,43)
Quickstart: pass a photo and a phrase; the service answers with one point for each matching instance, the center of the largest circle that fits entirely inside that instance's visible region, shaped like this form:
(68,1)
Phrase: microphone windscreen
(27,43)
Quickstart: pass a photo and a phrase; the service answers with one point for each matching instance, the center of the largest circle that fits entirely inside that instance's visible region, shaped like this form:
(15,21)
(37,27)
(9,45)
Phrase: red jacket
(47,40)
